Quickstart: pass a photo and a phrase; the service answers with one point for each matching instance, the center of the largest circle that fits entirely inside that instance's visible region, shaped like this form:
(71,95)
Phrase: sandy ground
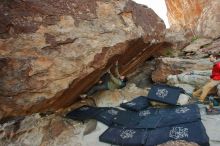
(212,125)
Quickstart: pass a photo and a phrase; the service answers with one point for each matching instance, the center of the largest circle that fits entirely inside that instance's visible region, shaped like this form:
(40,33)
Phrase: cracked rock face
(213,48)
(208,23)
(201,17)
(184,13)
(51,50)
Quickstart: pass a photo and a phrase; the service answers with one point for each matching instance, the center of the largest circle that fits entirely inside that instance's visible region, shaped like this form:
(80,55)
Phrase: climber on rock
(108,82)
(213,82)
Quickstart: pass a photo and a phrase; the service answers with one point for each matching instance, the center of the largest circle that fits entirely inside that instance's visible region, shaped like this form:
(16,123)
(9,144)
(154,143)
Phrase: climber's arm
(114,79)
(116,70)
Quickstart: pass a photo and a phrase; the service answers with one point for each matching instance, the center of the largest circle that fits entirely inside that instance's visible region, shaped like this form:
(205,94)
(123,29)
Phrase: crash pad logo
(112,112)
(162,93)
(144,113)
(127,134)
(131,104)
(179,132)
(182,110)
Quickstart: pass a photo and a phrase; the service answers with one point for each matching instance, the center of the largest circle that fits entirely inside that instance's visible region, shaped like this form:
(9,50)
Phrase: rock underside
(52,51)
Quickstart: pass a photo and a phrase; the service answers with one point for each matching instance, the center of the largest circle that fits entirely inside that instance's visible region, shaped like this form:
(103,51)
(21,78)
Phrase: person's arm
(218,68)
(114,79)
(116,70)
(100,82)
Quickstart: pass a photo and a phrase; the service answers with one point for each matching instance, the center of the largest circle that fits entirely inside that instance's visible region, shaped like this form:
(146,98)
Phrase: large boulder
(178,39)
(201,17)
(195,78)
(213,48)
(190,80)
(185,14)
(53,50)
(196,45)
(142,76)
(173,66)
(208,23)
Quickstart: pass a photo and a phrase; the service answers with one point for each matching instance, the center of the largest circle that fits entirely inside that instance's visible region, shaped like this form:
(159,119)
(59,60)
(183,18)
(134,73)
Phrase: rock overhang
(52,51)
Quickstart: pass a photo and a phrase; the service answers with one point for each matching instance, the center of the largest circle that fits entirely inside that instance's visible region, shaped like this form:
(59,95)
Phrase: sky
(159,8)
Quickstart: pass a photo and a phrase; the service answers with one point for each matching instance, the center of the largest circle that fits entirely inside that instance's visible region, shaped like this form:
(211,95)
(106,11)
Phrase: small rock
(196,45)
(179,143)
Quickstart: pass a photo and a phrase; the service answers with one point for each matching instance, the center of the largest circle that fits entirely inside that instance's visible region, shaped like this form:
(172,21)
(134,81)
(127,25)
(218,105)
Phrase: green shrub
(194,38)
(168,52)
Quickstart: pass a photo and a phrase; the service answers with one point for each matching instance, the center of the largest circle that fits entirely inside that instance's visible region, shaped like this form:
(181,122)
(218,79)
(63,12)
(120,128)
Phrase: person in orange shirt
(213,82)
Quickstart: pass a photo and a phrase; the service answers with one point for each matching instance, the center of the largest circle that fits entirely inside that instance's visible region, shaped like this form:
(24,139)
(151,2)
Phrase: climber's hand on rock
(116,63)
(108,71)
